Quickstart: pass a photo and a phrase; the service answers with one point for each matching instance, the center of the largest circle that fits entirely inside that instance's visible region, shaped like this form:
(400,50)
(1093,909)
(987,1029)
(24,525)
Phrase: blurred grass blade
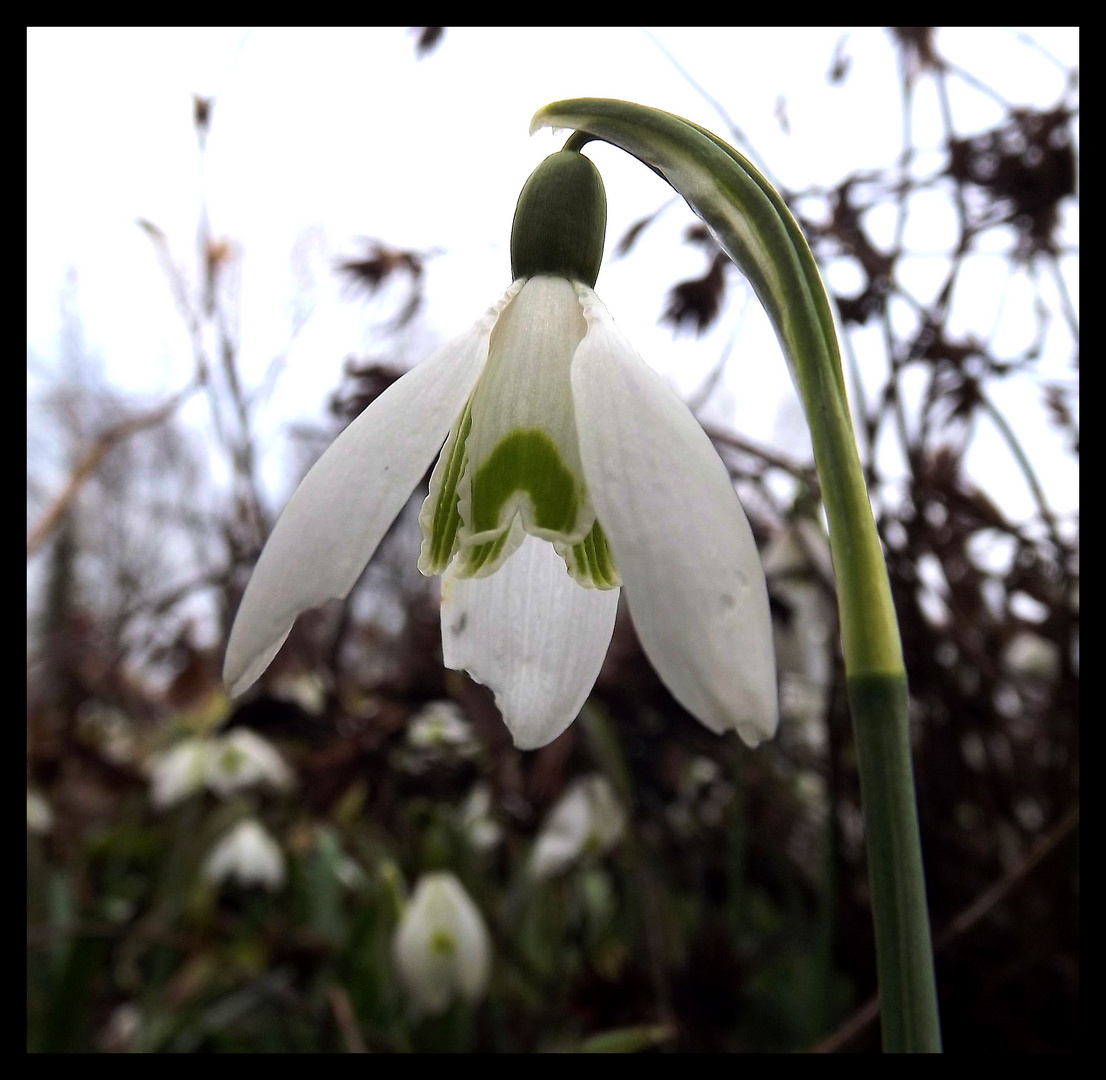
(627,1040)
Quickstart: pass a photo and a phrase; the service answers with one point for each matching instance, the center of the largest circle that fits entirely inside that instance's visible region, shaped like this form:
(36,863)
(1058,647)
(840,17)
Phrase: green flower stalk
(754,227)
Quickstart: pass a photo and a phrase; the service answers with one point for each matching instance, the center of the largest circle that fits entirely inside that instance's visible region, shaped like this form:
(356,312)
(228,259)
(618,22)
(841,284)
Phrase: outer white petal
(531,634)
(337,516)
(693,578)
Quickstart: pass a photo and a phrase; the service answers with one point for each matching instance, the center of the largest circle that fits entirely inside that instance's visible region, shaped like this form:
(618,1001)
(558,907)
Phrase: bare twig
(344,1017)
(91,459)
(803,473)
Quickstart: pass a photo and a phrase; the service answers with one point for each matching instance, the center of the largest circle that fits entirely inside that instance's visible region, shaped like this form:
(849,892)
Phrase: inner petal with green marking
(511,464)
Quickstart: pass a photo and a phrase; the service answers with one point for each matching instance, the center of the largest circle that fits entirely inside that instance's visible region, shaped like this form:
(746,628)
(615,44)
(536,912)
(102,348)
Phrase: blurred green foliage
(132,947)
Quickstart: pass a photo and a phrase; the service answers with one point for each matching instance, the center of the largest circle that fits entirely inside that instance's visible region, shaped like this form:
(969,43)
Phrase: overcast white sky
(323,136)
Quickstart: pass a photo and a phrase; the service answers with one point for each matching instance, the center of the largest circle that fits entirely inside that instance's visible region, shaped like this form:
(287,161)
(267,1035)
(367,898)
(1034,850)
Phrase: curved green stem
(753,225)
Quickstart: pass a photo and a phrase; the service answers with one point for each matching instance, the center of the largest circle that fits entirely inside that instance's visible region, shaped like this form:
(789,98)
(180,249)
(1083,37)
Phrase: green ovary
(525,461)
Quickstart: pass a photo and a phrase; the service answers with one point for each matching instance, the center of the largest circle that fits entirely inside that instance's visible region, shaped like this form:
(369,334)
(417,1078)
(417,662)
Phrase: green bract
(560,221)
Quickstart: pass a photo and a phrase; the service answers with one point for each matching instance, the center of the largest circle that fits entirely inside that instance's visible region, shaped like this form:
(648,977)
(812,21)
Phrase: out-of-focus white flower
(226,764)
(441,725)
(122,1029)
(797,563)
(249,855)
(702,799)
(109,731)
(587,820)
(243,759)
(477,822)
(178,772)
(40,818)
(306,689)
(1032,656)
(442,947)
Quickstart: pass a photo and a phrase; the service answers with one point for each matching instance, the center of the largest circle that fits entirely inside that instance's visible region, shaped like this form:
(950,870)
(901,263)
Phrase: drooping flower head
(442,947)
(588,820)
(225,764)
(569,470)
(247,855)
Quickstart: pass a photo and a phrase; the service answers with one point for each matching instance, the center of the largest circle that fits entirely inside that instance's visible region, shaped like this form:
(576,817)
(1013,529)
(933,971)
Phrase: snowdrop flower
(797,562)
(243,759)
(475,816)
(587,820)
(441,725)
(40,818)
(442,947)
(179,772)
(225,764)
(569,469)
(249,855)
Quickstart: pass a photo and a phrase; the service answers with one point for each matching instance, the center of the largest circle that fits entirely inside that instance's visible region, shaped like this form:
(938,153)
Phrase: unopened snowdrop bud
(442,947)
(560,221)
(588,820)
(249,855)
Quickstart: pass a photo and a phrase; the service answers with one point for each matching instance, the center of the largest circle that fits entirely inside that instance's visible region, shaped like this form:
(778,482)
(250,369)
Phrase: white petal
(531,634)
(337,516)
(693,578)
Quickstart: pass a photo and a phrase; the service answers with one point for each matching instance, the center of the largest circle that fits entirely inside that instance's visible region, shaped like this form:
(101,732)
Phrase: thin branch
(91,459)
(803,473)
(344,1017)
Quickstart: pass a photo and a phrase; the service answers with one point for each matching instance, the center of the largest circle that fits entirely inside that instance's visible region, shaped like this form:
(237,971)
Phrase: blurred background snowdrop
(587,822)
(242,759)
(247,855)
(477,820)
(225,764)
(703,797)
(441,728)
(797,563)
(40,818)
(442,946)
(438,736)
